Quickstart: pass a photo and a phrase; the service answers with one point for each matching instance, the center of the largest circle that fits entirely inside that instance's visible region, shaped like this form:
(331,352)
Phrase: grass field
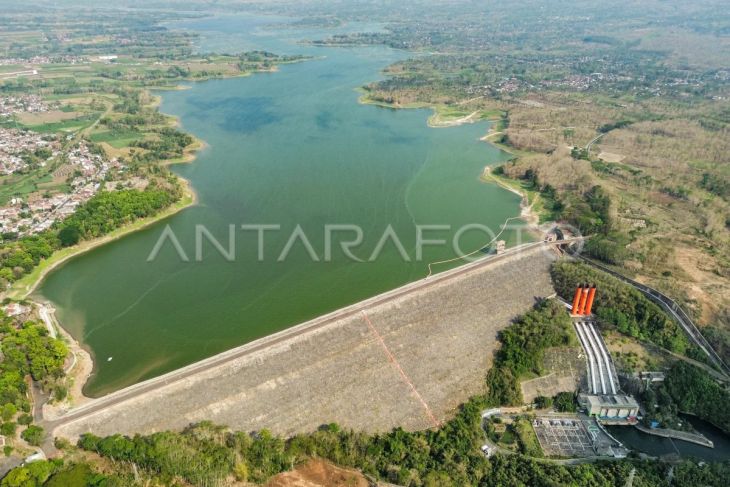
(527,438)
(71,125)
(22,185)
(116,138)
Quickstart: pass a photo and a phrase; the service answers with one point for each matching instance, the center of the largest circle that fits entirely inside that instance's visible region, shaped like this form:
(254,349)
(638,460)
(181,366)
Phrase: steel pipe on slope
(599,361)
(604,354)
(591,358)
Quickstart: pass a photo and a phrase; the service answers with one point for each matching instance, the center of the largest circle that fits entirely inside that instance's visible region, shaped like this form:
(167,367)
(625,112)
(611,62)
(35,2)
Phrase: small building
(652,376)
(610,406)
(36,457)
(500,246)
(15,309)
(488,450)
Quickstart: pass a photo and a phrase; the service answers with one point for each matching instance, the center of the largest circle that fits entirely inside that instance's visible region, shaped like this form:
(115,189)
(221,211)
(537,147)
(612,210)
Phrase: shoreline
(273,340)
(437,119)
(77,373)
(83,364)
(527,212)
(25,286)
(84,357)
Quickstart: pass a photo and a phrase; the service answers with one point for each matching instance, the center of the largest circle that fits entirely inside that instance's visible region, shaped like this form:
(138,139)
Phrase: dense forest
(620,305)
(27,350)
(104,212)
(689,389)
(523,343)
(109,210)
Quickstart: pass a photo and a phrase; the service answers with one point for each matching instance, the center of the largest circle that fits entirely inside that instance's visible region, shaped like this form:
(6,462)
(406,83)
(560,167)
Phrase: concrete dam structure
(405,358)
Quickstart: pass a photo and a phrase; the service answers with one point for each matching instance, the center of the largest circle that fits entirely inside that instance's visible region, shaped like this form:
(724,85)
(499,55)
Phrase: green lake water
(659,446)
(288,148)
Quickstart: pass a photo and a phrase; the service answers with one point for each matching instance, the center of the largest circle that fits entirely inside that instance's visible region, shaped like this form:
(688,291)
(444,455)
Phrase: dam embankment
(406,358)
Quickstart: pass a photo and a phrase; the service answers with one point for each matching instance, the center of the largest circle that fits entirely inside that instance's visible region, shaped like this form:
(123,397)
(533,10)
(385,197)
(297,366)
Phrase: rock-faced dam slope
(406,358)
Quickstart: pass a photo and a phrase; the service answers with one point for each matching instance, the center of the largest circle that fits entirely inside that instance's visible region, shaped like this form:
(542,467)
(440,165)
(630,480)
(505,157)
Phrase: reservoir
(658,446)
(291,149)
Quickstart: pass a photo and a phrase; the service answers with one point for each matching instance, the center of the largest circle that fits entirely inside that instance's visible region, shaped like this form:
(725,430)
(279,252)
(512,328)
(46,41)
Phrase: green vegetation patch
(527,438)
(71,125)
(19,185)
(27,351)
(449,456)
(104,212)
(565,402)
(117,138)
(692,390)
(523,345)
(620,305)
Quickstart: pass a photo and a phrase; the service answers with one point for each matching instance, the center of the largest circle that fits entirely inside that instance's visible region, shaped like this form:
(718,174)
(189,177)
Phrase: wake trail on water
(407,192)
(460,257)
(131,306)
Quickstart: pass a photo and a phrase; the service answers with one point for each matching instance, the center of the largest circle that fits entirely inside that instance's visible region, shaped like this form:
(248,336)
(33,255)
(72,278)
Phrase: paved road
(593,141)
(46,315)
(39,399)
(9,463)
(323,321)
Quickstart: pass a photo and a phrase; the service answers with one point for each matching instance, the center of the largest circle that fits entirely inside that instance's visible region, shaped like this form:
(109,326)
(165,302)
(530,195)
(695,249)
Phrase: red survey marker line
(395,363)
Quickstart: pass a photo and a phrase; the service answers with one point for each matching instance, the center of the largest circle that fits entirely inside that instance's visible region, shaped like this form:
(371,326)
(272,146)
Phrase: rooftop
(610,401)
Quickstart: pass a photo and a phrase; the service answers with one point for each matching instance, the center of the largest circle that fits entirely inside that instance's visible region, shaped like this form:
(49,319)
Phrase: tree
(31,475)
(565,402)
(69,235)
(240,471)
(25,419)
(694,391)
(33,435)
(543,402)
(8,411)
(75,476)
(8,428)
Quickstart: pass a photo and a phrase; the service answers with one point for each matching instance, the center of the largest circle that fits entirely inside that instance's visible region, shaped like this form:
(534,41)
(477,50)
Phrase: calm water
(658,446)
(289,148)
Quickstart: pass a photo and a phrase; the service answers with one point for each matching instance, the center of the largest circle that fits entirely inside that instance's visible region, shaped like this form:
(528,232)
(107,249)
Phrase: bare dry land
(565,372)
(408,361)
(46,117)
